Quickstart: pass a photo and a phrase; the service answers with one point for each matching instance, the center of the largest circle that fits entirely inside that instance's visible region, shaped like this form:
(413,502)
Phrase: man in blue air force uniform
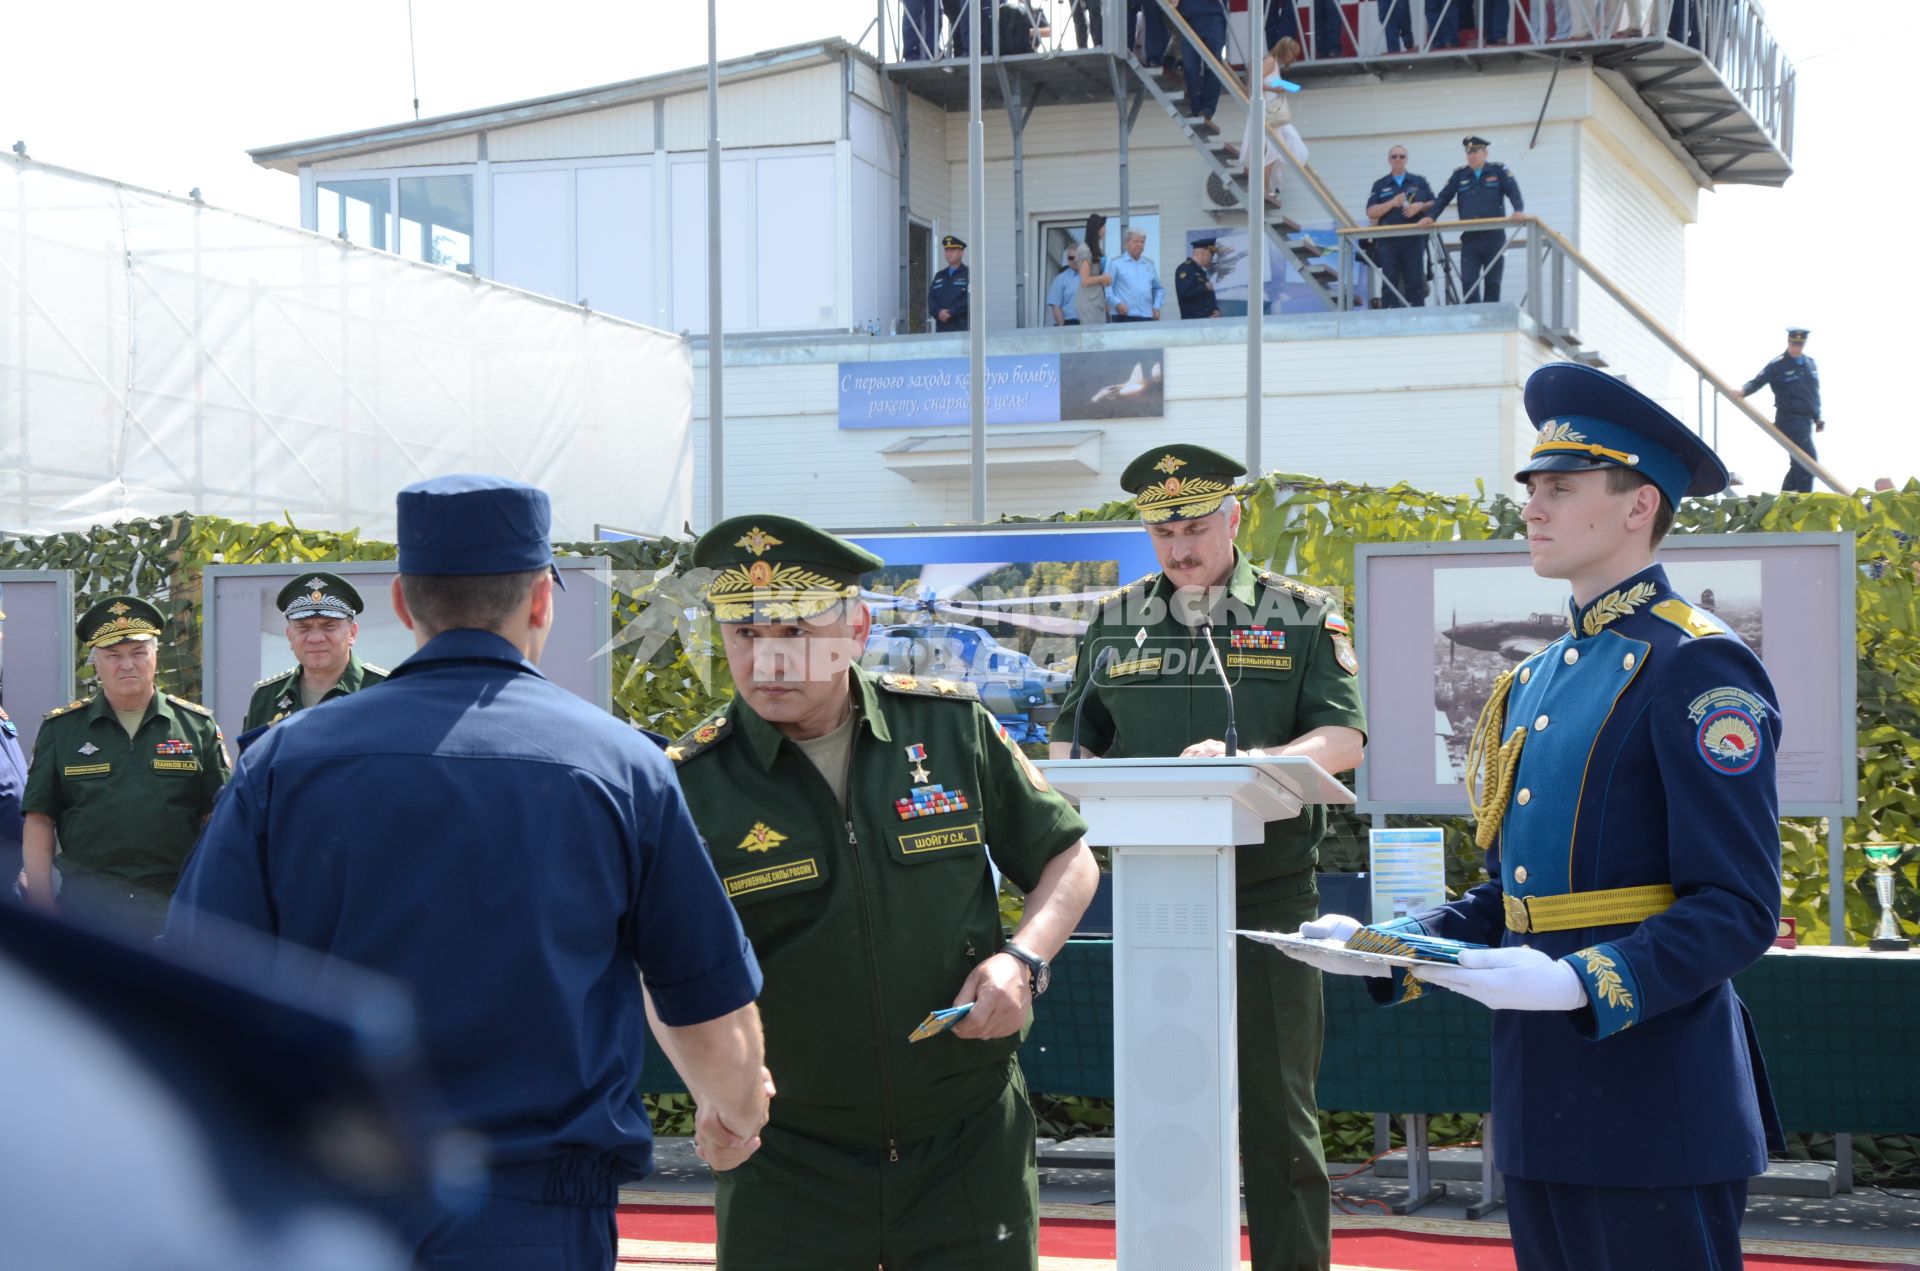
(1631,820)
(1795,382)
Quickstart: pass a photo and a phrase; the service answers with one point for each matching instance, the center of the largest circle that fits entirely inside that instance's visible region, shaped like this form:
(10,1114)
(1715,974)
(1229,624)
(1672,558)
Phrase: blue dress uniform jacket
(1414,186)
(1649,759)
(510,853)
(1479,193)
(13,783)
(1795,382)
(948,291)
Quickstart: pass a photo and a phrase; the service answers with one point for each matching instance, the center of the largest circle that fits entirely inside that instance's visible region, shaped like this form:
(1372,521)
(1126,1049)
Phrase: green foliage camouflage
(667,676)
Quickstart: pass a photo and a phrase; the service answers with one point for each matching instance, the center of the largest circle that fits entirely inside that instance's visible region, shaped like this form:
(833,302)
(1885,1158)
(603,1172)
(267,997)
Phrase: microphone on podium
(1099,665)
(1232,738)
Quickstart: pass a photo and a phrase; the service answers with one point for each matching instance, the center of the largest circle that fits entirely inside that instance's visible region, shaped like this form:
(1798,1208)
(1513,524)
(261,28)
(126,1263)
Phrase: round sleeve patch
(1729,740)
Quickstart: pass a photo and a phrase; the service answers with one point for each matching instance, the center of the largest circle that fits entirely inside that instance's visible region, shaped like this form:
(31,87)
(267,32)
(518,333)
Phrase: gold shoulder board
(701,737)
(1693,621)
(921,686)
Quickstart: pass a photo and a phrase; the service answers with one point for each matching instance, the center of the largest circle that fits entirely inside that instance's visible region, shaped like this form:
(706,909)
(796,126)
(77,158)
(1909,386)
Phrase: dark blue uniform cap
(1589,419)
(474,524)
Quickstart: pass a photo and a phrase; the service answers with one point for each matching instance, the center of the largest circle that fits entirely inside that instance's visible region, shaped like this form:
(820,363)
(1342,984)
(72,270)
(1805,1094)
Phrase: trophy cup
(1886,937)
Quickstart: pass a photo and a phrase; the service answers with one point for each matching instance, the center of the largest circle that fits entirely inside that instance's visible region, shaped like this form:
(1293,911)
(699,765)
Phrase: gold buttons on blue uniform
(1573,655)
(1526,673)
(1626,663)
(1526,797)
(1539,725)
(1519,873)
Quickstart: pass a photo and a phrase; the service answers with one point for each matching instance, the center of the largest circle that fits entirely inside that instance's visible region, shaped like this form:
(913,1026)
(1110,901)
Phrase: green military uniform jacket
(127,807)
(278,696)
(1288,652)
(865,922)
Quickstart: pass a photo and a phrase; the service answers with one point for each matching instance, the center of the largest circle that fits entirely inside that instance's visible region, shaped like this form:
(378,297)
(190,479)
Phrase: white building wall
(615,130)
(1445,415)
(440,150)
(786,109)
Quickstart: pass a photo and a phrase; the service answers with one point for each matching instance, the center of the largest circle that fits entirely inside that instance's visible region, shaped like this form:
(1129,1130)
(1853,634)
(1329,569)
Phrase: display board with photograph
(36,646)
(1439,622)
(244,634)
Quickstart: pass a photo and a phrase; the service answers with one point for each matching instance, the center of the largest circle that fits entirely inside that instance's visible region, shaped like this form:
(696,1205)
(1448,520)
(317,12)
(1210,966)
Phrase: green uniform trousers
(964,1199)
(1282,1018)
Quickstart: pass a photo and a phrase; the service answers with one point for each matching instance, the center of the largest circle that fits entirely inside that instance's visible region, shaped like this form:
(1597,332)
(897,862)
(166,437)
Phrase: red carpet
(682,1236)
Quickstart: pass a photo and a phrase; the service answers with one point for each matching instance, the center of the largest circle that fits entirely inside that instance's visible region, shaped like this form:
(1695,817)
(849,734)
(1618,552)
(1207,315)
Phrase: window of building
(1058,237)
(436,220)
(358,210)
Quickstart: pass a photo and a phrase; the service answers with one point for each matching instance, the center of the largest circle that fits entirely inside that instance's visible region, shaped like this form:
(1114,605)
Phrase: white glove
(1513,979)
(1332,927)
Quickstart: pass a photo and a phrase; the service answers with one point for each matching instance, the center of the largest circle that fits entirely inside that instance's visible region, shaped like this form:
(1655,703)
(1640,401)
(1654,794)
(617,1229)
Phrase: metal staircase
(1232,193)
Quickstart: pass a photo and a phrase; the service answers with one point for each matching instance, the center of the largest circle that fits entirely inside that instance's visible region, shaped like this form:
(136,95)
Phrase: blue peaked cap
(471,523)
(1588,419)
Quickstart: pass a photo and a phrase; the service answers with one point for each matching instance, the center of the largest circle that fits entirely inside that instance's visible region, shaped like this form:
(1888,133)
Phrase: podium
(1171,826)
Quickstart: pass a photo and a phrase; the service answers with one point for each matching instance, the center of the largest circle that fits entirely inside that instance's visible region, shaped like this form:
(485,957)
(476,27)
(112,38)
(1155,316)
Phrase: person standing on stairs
(1208,18)
(1279,115)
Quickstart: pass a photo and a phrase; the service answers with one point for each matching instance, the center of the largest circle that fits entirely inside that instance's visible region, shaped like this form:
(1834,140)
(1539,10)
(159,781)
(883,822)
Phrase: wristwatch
(1039,973)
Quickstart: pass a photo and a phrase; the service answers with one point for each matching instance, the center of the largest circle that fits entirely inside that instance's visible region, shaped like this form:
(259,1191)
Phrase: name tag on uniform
(941,840)
(774,876)
(1136,666)
(1261,661)
(176,765)
(86,770)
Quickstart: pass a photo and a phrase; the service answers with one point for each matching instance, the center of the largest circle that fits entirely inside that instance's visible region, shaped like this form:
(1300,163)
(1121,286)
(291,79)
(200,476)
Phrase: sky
(171,96)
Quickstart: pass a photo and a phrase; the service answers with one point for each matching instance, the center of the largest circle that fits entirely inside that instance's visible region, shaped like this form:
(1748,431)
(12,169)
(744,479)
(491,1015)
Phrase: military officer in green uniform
(1148,686)
(851,818)
(322,612)
(125,778)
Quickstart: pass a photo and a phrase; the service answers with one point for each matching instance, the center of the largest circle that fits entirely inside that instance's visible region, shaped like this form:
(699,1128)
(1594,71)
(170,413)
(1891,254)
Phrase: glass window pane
(358,209)
(436,220)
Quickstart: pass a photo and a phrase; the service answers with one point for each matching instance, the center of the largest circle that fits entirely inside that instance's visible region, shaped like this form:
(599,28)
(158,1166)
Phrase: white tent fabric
(159,355)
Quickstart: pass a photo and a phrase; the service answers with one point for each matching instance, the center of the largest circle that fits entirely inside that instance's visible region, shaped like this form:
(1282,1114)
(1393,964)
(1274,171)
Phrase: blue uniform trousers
(1403,271)
(1566,1227)
(1799,431)
(1492,17)
(1396,21)
(1203,90)
(919,29)
(498,1233)
(1481,262)
(1443,23)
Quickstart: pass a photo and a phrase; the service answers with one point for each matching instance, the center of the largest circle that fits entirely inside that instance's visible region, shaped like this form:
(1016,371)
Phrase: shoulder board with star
(74,705)
(1267,578)
(1697,623)
(922,686)
(185,705)
(701,736)
(275,679)
(1145,580)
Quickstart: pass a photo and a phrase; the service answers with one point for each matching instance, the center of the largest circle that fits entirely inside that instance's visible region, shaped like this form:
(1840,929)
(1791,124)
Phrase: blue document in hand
(938,1022)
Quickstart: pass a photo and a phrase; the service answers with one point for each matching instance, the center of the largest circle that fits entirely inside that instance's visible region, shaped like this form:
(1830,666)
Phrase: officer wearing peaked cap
(1795,382)
(851,817)
(322,612)
(1192,285)
(1623,779)
(1288,650)
(507,835)
(124,777)
(947,301)
(1482,187)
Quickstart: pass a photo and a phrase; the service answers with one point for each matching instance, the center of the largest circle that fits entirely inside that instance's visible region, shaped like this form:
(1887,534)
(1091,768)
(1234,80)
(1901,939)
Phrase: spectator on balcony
(1482,188)
(1491,18)
(1399,198)
(1089,14)
(1283,19)
(1060,311)
(947,295)
(1795,382)
(1193,285)
(1135,293)
(1396,26)
(1090,262)
(1020,28)
(1146,19)
(1208,19)
(1443,24)
(919,29)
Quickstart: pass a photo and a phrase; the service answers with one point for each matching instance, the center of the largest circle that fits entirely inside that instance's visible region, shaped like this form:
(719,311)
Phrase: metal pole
(716,425)
(1836,880)
(977,226)
(1256,148)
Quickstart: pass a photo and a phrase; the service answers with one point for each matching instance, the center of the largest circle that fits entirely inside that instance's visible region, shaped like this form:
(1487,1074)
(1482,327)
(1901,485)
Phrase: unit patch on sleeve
(1727,731)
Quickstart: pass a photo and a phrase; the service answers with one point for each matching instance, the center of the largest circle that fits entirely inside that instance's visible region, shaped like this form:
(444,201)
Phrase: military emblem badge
(1727,728)
(761,838)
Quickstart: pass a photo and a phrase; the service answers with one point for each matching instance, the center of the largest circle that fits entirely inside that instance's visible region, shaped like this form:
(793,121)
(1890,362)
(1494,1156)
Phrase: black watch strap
(1039,972)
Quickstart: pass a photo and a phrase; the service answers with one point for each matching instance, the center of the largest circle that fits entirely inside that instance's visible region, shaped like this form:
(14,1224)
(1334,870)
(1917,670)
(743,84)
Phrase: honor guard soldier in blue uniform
(947,294)
(123,778)
(1289,651)
(1481,187)
(1400,198)
(322,612)
(524,863)
(1629,811)
(851,818)
(1795,382)
(1192,285)
(13,783)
